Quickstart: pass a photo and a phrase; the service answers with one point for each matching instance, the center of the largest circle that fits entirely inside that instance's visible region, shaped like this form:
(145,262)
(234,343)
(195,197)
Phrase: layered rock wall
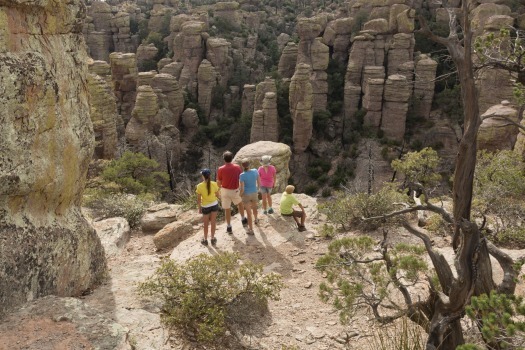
(301,109)
(46,143)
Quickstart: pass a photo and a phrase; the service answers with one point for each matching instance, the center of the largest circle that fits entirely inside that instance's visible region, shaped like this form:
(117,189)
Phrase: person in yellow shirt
(208,202)
(288,200)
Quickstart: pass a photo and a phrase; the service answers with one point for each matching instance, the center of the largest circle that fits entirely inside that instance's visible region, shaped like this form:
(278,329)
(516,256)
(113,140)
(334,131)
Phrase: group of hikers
(242,186)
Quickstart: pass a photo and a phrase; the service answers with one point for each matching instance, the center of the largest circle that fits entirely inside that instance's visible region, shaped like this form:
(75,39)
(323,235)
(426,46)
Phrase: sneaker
(265,212)
(250,232)
(229,230)
(244,222)
(213,241)
(204,242)
(301,228)
(270,211)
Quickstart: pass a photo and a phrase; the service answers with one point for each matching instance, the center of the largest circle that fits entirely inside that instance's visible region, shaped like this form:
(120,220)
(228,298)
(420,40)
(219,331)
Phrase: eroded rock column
(301,98)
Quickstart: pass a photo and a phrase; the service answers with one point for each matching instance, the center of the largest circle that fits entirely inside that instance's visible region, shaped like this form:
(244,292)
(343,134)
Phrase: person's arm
(199,198)
(258,182)
(301,206)
(274,177)
(241,187)
(219,178)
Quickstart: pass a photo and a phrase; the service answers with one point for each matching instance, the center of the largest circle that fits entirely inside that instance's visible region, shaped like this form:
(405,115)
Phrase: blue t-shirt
(250,181)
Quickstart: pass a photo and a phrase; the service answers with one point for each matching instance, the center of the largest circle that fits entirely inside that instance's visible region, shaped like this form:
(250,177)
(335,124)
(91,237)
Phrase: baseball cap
(205,172)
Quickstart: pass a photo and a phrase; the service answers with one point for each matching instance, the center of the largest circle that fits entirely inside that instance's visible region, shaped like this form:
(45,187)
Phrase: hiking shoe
(204,242)
(250,232)
(229,230)
(265,212)
(270,211)
(244,222)
(301,228)
(213,241)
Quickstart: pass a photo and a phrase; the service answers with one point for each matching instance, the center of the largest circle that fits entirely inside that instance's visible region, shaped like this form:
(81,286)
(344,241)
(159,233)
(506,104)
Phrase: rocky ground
(113,316)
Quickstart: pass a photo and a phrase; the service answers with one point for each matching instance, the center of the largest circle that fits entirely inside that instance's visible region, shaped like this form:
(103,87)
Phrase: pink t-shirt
(267,175)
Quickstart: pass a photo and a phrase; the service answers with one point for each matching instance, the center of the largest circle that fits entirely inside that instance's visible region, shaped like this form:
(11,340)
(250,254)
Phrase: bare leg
(240,206)
(269,199)
(254,210)
(303,218)
(249,214)
(206,219)
(264,200)
(228,215)
(213,220)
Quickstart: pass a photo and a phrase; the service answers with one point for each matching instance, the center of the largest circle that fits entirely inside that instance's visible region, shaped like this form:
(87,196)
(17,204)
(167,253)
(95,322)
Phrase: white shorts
(228,196)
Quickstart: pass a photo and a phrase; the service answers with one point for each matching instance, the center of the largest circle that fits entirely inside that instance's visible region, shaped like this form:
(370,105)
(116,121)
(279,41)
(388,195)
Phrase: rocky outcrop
(122,39)
(395,107)
(218,53)
(70,323)
(124,72)
(227,11)
(103,112)
(46,143)
(497,132)
(145,55)
(265,122)
(172,234)
(425,74)
(401,51)
(190,123)
(268,85)
(97,30)
(207,81)
(373,82)
(189,48)
(280,154)
(301,99)
(337,35)
(174,68)
(167,89)
(248,99)
(160,215)
(288,60)
(114,233)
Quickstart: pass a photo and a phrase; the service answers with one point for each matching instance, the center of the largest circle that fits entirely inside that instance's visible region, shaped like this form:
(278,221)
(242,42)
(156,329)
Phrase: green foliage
(336,81)
(135,173)
(283,110)
(106,204)
(449,101)
(219,131)
(327,231)
(311,189)
(348,210)
(327,192)
(201,295)
(133,26)
(500,317)
(499,189)
(318,167)
(143,30)
(360,18)
(157,40)
(436,224)
(240,134)
(419,167)
(356,273)
(320,121)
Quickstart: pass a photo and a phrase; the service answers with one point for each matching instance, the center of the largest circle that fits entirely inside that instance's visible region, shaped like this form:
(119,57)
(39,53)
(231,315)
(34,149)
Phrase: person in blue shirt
(249,187)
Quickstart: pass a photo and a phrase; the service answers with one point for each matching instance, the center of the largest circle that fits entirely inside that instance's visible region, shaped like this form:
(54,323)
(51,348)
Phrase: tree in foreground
(415,280)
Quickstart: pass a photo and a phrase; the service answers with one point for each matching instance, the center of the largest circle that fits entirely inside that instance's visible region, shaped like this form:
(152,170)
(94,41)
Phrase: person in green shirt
(208,202)
(288,200)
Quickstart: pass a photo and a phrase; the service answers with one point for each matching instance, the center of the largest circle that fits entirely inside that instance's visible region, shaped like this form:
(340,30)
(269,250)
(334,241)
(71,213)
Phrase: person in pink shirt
(267,174)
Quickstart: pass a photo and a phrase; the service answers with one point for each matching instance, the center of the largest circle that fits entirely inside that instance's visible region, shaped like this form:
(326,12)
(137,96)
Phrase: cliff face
(46,142)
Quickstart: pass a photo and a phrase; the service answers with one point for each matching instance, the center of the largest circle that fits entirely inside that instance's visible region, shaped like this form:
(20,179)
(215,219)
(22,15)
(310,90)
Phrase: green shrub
(327,192)
(404,336)
(109,205)
(202,295)
(135,173)
(327,231)
(512,237)
(311,189)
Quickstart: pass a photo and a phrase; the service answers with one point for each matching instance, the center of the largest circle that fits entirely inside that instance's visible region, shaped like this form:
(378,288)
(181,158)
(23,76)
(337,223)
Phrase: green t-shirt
(207,198)
(287,202)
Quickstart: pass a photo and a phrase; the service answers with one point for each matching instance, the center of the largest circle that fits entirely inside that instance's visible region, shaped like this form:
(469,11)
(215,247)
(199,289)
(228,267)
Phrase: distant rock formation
(46,143)
(497,132)
(288,60)
(301,109)
(280,153)
(395,107)
(207,81)
(265,122)
(124,73)
(248,99)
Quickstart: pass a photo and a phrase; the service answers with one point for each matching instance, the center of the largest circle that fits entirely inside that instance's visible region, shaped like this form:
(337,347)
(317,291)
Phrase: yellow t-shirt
(287,202)
(207,198)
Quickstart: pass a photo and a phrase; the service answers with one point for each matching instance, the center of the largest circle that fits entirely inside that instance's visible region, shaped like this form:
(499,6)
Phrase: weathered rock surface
(401,51)
(158,216)
(496,131)
(190,123)
(207,81)
(301,99)
(124,72)
(168,86)
(228,12)
(425,74)
(280,153)
(145,54)
(46,143)
(373,82)
(265,122)
(114,233)
(288,60)
(268,85)
(218,52)
(61,323)
(396,95)
(248,99)
(103,108)
(189,48)
(172,234)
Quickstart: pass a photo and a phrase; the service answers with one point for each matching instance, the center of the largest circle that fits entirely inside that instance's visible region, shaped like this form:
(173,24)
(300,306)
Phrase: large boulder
(114,233)
(172,234)
(158,216)
(46,143)
(280,153)
(497,130)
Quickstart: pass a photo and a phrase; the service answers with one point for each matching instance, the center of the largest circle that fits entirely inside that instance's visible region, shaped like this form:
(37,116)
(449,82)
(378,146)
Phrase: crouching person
(288,200)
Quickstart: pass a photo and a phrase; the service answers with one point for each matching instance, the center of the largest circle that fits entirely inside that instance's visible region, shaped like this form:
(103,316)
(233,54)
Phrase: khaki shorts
(250,198)
(229,196)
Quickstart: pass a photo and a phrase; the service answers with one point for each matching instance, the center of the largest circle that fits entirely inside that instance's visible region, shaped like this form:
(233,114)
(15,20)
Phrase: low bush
(201,297)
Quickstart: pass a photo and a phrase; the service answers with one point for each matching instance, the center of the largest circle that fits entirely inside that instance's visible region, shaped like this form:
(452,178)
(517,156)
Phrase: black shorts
(208,210)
